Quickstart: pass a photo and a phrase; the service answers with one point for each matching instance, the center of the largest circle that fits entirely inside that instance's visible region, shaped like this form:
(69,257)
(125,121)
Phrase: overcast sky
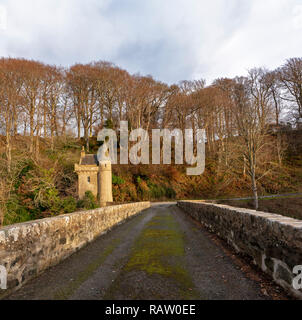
(172,40)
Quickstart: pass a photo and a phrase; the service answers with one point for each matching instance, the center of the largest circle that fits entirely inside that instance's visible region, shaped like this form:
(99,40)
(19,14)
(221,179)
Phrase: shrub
(27,165)
(94,145)
(89,201)
(156,191)
(67,179)
(131,191)
(143,190)
(68,144)
(117,180)
(69,205)
(15,212)
(51,201)
(46,195)
(161,191)
(108,124)
(170,193)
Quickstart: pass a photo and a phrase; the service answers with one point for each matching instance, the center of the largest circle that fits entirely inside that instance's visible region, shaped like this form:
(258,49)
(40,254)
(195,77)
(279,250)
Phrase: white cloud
(297,17)
(171,39)
(3,18)
(266,38)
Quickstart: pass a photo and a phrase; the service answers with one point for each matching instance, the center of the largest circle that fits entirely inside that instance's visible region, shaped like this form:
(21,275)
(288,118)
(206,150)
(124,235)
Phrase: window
(88,179)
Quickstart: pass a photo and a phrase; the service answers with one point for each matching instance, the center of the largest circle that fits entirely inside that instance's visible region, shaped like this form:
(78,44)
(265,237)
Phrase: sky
(172,40)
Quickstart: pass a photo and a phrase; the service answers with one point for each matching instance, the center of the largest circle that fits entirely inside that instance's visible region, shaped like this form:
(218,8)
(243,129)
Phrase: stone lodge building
(94,176)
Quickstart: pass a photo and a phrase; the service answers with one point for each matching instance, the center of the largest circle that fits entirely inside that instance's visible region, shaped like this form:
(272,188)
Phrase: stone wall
(273,241)
(27,249)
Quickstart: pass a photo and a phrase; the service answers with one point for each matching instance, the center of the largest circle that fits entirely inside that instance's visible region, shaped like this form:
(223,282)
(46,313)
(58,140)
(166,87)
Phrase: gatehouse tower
(94,176)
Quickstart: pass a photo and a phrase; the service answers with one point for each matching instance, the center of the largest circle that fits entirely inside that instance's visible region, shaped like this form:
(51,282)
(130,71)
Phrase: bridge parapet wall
(273,241)
(27,249)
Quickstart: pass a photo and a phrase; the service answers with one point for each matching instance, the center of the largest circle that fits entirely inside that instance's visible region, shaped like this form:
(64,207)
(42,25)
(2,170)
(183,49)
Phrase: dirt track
(160,254)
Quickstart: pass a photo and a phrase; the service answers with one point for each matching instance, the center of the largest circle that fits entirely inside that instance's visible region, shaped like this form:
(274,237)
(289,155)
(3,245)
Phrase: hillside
(48,186)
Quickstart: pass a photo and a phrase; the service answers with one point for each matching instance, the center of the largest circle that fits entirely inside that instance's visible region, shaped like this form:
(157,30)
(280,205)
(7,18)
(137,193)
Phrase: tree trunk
(15,122)
(255,191)
(8,146)
(79,122)
(37,144)
(1,215)
(86,137)
(102,116)
(64,123)
(31,123)
(64,130)
(52,126)
(45,122)
(25,128)
(37,149)
(277,118)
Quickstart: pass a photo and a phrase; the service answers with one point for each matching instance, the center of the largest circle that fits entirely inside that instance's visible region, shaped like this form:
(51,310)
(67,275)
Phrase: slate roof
(90,159)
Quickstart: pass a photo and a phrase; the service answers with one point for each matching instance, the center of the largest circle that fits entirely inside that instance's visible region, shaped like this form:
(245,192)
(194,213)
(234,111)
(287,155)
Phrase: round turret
(105,176)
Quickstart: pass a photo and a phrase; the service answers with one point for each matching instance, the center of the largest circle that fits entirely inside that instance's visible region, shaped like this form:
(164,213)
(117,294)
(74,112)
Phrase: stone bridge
(162,252)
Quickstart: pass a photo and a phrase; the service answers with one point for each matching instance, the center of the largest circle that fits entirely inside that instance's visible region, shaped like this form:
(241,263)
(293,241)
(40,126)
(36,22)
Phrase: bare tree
(252,113)
(82,82)
(273,81)
(53,86)
(10,97)
(291,79)
(32,75)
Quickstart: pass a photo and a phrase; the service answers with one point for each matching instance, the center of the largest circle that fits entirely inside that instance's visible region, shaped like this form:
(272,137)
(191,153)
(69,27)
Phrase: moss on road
(160,251)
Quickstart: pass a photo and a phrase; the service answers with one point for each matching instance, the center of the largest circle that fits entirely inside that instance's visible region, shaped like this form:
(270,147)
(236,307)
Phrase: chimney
(83,153)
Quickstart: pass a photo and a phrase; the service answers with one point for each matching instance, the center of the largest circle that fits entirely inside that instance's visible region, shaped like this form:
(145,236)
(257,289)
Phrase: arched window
(88,179)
